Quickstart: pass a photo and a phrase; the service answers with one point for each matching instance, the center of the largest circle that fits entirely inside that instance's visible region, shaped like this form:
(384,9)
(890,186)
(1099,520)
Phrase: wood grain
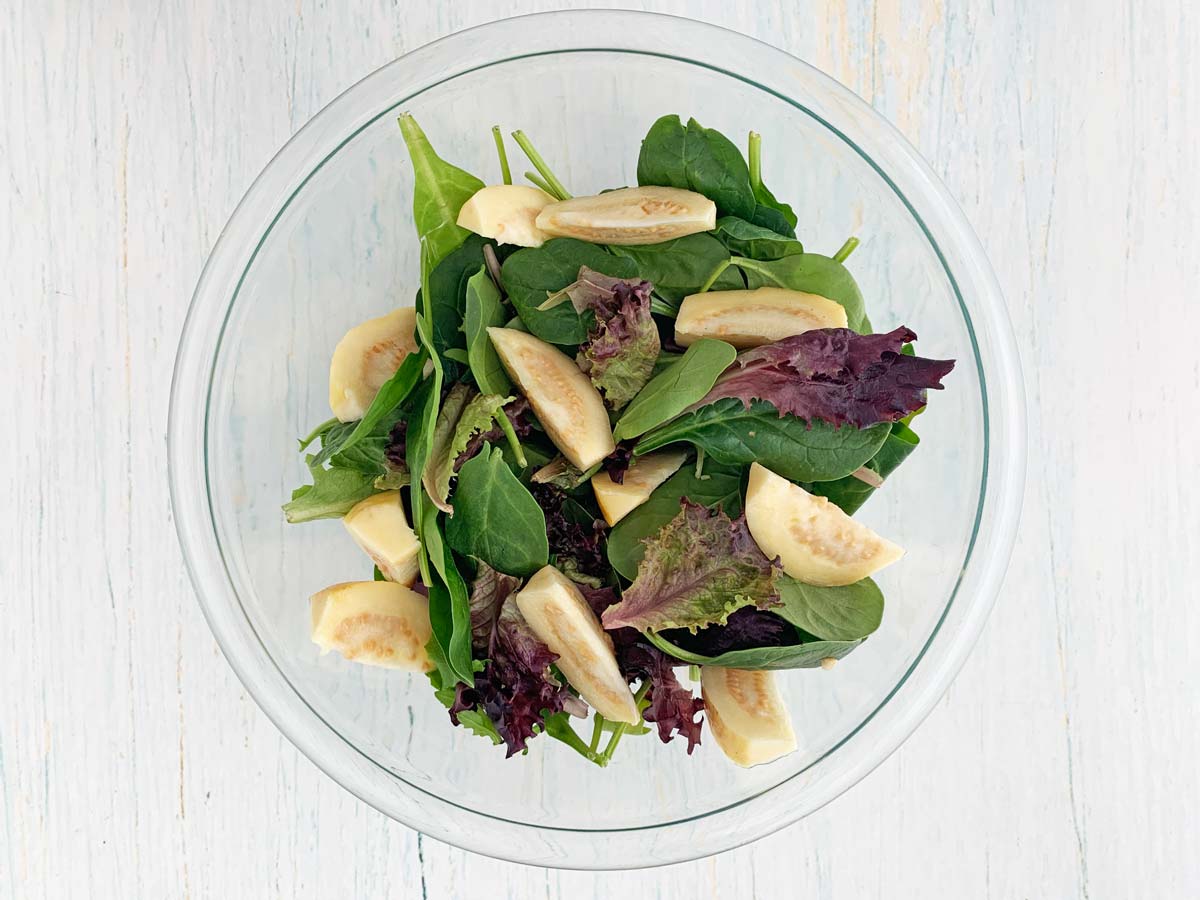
(1060,764)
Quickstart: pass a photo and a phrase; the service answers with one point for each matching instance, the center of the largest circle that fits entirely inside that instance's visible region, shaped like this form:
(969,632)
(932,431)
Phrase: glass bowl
(324,239)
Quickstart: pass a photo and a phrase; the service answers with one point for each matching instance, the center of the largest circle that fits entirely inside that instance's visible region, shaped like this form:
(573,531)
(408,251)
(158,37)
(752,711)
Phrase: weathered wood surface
(1062,763)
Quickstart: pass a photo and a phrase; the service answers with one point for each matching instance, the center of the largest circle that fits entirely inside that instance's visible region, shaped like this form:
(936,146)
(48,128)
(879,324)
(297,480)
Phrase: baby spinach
(393,392)
(720,487)
(333,493)
(680,267)
(813,274)
(531,275)
(752,241)
(445,300)
(495,517)
(697,159)
(850,493)
(703,160)
(677,387)
(798,450)
(449,604)
(844,613)
(484,309)
(796,656)
(439,191)
(423,419)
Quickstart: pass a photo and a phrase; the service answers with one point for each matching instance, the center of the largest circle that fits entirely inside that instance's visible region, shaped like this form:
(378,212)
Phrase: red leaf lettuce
(835,375)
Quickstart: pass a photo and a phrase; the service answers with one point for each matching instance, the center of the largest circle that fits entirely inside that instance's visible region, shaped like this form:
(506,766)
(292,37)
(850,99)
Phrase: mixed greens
(615,437)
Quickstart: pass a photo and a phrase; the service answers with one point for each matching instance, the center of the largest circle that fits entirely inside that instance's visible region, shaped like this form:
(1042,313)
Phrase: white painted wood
(1060,764)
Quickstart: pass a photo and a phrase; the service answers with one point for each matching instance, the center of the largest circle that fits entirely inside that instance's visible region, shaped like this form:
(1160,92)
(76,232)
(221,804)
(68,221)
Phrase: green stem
(505,172)
(538,182)
(715,274)
(694,672)
(557,188)
(622,727)
(846,249)
(513,441)
(755,154)
(316,432)
(597,730)
(751,265)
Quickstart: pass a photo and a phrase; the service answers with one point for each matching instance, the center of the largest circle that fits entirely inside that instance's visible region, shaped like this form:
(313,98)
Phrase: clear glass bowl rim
(874,139)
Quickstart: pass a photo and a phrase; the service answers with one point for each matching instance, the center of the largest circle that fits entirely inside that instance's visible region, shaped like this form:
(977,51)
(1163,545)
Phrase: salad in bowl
(606,465)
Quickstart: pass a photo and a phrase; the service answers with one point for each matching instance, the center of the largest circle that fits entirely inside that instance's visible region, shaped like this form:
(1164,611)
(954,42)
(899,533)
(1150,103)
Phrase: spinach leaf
(419,445)
(439,192)
(844,613)
(495,517)
(720,487)
(339,440)
(697,159)
(752,241)
(680,267)
(449,604)
(799,451)
(851,493)
(705,161)
(484,309)
(333,493)
(677,387)
(445,301)
(772,213)
(534,273)
(813,274)
(797,656)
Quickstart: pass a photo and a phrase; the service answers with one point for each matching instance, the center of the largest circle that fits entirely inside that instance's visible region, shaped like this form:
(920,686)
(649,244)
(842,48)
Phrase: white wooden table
(1062,763)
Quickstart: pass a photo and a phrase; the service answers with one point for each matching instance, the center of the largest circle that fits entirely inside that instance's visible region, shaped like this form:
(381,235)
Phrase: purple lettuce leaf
(699,568)
(577,546)
(746,628)
(617,463)
(515,688)
(835,375)
(488,593)
(671,706)
(620,352)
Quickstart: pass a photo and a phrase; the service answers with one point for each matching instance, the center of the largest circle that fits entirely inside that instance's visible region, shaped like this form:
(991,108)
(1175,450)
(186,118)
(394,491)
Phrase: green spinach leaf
(705,161)
(851,493)
(419,442)
(445,302)
(813,274)
(439,192)
(752,241)
(680,267)
(844,613)
(799,451)
(484,309)
(677,387)
(449,604)
(534,273)
(720,487)
(495,517)
(341,438)
(697,159)
(797,656)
